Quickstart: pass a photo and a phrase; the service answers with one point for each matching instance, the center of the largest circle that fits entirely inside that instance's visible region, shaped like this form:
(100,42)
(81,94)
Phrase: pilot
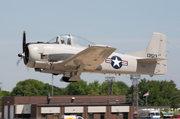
(62,41)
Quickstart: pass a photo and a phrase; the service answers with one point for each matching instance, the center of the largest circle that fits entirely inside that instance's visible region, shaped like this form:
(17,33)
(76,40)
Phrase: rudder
(157,46)
(157,49)
(155,55)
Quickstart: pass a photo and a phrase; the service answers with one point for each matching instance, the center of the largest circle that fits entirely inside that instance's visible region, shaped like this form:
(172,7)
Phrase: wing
(90,58)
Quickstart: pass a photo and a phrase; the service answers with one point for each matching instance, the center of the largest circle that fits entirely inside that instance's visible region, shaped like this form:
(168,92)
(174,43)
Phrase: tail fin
(154,54)
(157,46)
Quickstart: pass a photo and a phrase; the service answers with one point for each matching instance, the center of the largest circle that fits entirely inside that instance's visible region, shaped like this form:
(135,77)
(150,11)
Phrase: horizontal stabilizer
(150,60)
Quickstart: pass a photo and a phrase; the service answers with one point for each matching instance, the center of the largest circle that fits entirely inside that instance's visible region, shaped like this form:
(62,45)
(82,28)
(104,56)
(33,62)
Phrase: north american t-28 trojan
(71,55)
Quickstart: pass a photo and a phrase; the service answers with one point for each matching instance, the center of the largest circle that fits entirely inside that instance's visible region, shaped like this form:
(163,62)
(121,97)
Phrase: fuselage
(42,54)
(71,55)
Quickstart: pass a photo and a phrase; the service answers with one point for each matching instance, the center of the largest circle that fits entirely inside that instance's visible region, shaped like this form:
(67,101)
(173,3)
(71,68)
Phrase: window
(102,116)
(79,117)
(157,114)
(56,116)
(125,115)
(90,116)
(44,116)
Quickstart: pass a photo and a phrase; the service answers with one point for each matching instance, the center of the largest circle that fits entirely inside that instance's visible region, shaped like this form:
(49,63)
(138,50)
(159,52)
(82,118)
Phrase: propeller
(18,61)
(24,41)
(22,55)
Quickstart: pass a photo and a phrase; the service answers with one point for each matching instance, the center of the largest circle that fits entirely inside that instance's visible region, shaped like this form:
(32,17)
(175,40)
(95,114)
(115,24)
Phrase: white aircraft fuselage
(71,59)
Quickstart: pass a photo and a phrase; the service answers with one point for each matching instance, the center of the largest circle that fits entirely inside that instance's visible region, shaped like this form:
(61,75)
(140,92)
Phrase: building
(160,108)
(49,107)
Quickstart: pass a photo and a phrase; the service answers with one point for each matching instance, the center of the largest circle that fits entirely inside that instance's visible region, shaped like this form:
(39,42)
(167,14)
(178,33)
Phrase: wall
(85,101)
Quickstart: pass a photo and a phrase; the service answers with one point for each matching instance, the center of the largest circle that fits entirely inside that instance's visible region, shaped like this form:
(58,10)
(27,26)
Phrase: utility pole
(52,84)
(107,87)
(110,87)
(1,85)
(135,96)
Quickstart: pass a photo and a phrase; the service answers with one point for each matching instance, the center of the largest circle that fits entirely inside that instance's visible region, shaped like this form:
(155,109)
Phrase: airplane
(72,55)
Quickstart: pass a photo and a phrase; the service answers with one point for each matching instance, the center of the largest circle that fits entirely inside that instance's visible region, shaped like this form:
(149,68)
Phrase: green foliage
(3,94)
(116,89)
(161,93)
(32,87)
(63,91)
(103,88)
(77,88)
(93,88)
(124,88)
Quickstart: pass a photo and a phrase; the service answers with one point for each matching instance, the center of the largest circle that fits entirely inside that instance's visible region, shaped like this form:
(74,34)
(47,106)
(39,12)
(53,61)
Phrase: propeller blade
(24,41)
(18,61)
(22,55)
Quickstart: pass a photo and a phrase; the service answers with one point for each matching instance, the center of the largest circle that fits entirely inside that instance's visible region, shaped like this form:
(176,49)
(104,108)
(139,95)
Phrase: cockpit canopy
(71,40)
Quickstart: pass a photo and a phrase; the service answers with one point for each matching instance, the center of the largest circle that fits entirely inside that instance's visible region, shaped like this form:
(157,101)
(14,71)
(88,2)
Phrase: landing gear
(66,79)
(72,76)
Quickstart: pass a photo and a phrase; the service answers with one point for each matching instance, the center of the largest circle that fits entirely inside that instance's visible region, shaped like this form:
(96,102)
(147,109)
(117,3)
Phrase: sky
(125,25)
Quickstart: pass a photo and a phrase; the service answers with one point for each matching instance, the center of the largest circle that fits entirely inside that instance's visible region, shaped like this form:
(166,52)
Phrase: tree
(29,87)
(3,94)
(77,88)
(93,88)
(161,93)
(129,94)
(32,87)
(116,88)
(103,88)
(123,87)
